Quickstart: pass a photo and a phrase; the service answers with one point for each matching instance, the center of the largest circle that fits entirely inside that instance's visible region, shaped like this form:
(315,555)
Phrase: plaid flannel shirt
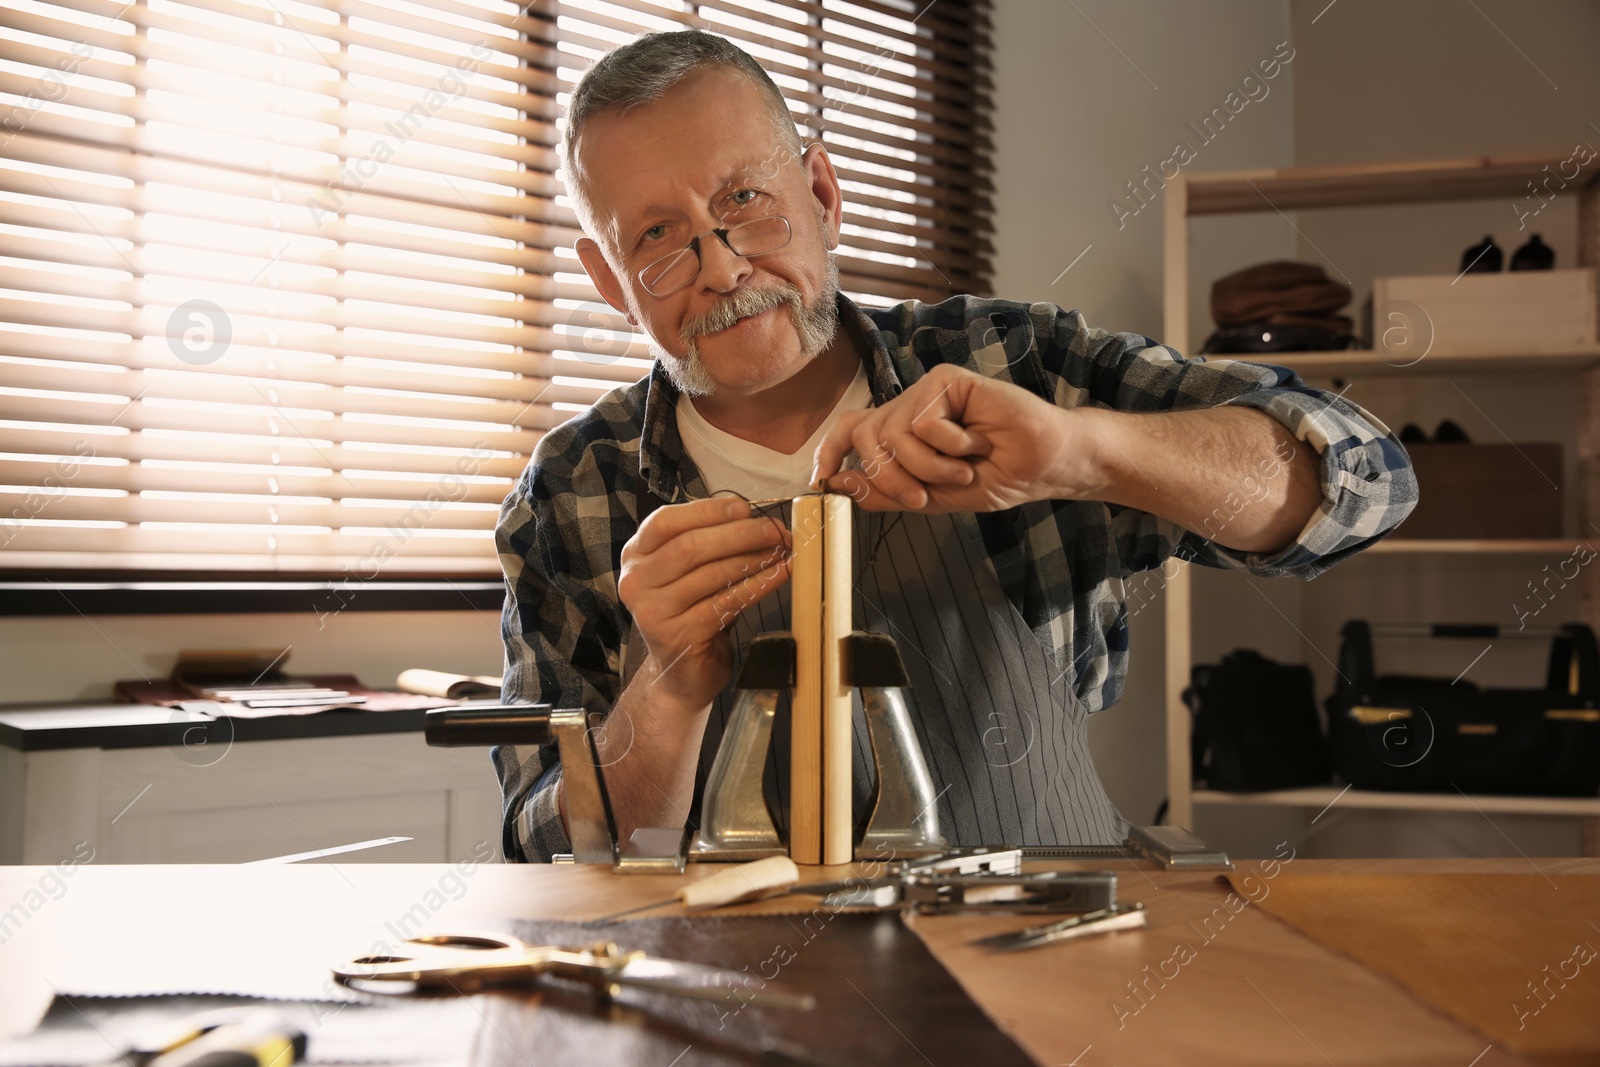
(1064,564)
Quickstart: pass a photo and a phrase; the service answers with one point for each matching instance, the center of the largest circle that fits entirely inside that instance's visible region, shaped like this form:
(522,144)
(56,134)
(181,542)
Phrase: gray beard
(814,325)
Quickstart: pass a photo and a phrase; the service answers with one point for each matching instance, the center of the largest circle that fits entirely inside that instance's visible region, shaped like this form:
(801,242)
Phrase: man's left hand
(959,441)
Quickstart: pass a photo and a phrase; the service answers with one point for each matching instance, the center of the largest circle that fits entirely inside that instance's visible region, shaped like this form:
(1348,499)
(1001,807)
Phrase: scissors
(470,962)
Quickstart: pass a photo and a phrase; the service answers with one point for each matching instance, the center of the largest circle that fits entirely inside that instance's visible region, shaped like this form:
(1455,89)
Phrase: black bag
(1255,725)
(1407,733)
(1259,338)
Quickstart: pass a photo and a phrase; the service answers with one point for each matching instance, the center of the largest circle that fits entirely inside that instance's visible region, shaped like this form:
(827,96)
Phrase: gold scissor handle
(467,962)
(463,962)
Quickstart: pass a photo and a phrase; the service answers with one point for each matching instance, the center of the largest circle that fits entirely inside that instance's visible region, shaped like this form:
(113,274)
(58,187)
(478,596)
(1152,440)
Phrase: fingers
(724,606)
(950,438)
(882,469)
(687,572)
(666,523)
(691,568)
(838,443)
(859,488)
(927,465)
(909,446)
(696,546)
(713,578)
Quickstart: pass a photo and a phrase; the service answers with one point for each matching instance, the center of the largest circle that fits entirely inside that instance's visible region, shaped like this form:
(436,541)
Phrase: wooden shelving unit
(1305,188)
(1321,797)
(1368,363)
(1399,546)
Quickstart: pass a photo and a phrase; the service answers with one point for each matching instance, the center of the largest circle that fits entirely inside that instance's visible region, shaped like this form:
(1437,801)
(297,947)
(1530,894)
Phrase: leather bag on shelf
(1407,733)
(1255,725)
(1281,306)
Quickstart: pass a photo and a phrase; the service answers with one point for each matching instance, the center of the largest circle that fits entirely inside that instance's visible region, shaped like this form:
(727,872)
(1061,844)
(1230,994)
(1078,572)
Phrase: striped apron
(1004,736)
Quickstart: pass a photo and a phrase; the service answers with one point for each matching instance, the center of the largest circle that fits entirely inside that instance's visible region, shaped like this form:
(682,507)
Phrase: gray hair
(640,72)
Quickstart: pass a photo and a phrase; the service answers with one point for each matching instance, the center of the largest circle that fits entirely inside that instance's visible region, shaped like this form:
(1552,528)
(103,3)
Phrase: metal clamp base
(903,818)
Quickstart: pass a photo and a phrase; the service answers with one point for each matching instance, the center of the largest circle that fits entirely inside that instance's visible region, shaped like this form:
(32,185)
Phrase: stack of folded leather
(1281,306)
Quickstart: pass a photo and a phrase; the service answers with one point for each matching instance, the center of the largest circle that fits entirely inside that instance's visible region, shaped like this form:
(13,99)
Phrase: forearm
(1233,475)
(648,750)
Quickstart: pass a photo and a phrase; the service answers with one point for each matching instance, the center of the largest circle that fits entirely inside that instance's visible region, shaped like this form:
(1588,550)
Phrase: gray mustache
(729,310)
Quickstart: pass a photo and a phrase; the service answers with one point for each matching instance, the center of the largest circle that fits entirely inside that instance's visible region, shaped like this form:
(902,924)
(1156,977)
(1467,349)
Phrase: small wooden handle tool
(739,883)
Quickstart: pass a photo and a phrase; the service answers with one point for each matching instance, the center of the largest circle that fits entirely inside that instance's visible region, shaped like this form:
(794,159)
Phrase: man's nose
(720,269)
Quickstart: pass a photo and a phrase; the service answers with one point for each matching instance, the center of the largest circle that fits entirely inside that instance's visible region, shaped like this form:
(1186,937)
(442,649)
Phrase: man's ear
(825,187)
(600,272)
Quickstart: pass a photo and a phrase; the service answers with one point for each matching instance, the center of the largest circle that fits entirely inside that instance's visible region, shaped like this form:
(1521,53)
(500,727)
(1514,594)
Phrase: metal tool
(902,815)
(651,849)
(1173,847)
(1104,921)
(982,859)
(1046,891)
(887,890)
(1177,849)
(735,824)
(468,963)
(972,881)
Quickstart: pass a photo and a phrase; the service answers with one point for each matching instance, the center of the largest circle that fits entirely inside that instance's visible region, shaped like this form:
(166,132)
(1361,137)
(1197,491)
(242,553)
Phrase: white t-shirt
(758,473)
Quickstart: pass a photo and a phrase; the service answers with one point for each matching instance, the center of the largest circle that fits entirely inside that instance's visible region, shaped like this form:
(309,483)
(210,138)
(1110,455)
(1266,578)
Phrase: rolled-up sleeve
(1367,483)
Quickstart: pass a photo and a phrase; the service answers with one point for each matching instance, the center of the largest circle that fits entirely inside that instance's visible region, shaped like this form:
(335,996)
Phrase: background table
(146,784)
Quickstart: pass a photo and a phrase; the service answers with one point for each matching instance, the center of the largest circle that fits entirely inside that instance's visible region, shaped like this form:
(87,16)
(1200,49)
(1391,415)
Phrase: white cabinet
(249,800)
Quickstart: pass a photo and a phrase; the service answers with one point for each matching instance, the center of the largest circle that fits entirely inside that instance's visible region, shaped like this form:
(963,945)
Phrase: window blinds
(289,286)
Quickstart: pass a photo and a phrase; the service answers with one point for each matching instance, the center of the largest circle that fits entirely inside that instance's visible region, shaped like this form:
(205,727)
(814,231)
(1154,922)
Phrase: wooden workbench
(1256,990)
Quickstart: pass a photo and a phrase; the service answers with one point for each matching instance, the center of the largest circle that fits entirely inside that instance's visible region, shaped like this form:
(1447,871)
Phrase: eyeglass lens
(754,238)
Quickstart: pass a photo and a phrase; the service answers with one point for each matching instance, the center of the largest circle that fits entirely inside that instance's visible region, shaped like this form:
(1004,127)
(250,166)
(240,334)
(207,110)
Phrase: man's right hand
(686,574)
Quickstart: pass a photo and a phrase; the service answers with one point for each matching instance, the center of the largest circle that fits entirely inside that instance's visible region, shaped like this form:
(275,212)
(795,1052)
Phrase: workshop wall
(70,657)
(1087,96)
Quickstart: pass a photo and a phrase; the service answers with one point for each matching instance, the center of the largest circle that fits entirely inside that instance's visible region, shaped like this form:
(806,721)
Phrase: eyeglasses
(757,237)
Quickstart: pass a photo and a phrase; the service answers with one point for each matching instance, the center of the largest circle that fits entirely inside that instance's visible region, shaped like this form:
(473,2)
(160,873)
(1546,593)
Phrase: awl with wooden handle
(772,876)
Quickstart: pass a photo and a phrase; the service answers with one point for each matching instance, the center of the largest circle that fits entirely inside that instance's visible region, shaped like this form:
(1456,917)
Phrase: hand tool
(470,962)
(972,880)
(772,876)
(222,1037)
(1104,921)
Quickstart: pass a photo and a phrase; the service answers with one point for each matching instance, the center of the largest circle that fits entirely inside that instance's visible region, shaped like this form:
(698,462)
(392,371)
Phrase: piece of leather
(1503,957)
(1231,307)
(1340,324)
(882,998)
(1281,287)
(1274,274)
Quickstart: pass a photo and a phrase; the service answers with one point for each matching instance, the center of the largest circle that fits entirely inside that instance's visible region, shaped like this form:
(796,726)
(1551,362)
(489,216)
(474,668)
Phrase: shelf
(1295,188)
(1398,546)
(1321,796)
(1364,361)
(1290,189)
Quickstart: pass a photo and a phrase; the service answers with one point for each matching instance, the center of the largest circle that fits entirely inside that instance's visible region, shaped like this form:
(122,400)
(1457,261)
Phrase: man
(1012,466)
